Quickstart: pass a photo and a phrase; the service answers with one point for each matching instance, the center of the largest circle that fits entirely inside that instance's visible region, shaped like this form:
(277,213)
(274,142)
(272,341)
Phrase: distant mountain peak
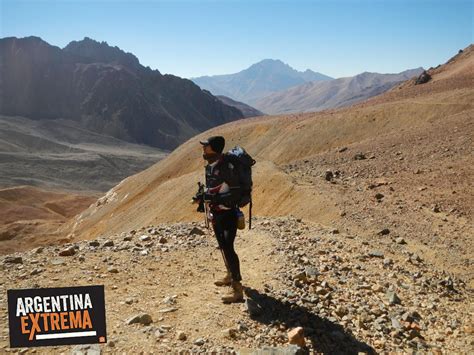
(30,40)
(34,38)
(101,52)
(279,64)
(260,79)
(270,60)
(270,64)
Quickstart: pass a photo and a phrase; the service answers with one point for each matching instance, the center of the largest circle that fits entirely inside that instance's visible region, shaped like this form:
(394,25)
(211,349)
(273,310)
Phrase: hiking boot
(236,295)
(225,281)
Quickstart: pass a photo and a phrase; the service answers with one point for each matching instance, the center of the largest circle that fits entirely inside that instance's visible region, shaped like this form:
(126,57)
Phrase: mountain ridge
(247,110)
(259,79)
(341,92)
(97,51)
(106,90)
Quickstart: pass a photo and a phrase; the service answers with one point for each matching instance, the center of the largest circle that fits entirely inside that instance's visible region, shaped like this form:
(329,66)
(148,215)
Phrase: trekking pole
(250,214)
(206,217)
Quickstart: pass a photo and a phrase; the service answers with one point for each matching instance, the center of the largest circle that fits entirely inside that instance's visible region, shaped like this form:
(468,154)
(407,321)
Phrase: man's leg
(229,231)
(218,231)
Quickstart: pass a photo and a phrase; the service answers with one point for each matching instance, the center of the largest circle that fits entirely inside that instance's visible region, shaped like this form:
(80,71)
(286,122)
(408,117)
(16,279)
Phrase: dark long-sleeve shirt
(223,182)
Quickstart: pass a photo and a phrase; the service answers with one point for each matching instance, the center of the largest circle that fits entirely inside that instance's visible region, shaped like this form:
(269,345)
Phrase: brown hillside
(417,140)
(30,216)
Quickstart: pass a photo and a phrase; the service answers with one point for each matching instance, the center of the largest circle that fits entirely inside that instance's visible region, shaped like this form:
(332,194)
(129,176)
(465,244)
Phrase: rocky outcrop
(423,78)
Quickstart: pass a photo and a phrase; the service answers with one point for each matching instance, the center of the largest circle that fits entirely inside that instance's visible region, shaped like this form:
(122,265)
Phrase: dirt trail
(201,308)
(143,285)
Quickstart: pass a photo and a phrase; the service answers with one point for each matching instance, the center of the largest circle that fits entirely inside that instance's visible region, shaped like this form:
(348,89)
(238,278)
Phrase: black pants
(224,224)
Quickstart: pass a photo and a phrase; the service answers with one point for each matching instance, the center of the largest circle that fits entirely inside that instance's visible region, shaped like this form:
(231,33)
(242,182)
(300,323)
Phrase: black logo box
(97,315)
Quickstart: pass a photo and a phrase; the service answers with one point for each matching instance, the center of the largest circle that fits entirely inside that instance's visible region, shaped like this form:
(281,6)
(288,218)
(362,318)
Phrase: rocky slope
(349,293)
(258,80)
(106,90)
(318,96)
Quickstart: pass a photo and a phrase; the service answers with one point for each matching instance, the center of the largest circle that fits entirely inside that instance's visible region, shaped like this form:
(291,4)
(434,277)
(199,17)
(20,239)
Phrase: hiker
(222,194)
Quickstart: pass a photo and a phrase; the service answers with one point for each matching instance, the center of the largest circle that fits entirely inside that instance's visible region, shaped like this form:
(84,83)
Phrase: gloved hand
(198,197)
(208,197)
(200,207)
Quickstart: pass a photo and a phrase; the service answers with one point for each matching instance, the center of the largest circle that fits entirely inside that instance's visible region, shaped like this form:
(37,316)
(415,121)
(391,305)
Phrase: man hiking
(222,194)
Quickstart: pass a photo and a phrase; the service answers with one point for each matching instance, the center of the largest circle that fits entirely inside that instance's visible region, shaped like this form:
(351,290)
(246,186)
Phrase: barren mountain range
(258,80)
(273,87)
(106,90)
(318,96)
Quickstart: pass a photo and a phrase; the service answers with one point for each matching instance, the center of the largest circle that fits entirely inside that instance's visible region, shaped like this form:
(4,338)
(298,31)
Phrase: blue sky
(193,38)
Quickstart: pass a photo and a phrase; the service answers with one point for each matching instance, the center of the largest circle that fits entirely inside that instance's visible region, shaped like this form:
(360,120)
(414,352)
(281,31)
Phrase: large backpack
(243,163)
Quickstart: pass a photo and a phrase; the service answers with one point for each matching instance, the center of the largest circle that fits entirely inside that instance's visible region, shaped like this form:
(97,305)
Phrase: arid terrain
(349,292)
(50,170)
(60,154)
(362,235)
(413,145)
(30,217)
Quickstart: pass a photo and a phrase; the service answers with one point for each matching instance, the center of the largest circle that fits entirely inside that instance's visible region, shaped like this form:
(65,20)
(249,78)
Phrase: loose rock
(296,336)
(142,318)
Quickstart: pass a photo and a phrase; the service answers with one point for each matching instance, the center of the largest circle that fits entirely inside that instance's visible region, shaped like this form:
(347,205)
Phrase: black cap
(217,143)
